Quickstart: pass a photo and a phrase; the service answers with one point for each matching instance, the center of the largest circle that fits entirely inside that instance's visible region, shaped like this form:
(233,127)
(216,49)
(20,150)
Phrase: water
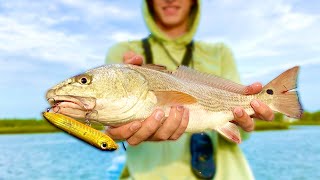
(291,154)
(55,156)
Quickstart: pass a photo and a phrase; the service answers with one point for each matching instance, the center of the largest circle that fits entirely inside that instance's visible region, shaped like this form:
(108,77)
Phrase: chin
(169,22)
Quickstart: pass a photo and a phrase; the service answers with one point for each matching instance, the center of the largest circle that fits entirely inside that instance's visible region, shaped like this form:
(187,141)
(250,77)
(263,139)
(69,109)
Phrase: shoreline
(31,126)
(42,126)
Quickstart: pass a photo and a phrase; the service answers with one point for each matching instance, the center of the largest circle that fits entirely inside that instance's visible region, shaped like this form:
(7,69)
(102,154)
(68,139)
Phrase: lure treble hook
(54,106)
(93,114)
(87,121)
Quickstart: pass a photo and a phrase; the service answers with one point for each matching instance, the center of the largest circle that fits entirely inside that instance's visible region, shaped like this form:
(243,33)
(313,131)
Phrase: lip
(170,9)
(82,102)
(176,7)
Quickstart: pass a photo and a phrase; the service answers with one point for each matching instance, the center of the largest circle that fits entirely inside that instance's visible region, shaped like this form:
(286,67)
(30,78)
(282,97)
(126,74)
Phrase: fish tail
(286,99)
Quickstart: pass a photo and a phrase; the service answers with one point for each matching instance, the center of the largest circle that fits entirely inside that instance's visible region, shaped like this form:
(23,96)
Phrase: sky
(45,42)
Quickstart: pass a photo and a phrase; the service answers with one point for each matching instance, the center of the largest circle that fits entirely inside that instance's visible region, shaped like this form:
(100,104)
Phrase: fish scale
(124,93)
(203,93)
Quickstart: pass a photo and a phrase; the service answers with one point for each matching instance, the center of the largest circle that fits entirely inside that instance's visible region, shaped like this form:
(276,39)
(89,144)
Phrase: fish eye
(84,80)
(103,145)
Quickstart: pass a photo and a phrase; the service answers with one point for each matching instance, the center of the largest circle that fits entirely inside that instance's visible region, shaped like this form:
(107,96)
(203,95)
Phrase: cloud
(125,36)
(100,9)
(247,77)
(260,28)
(27,30)
(44,42)
(37,41)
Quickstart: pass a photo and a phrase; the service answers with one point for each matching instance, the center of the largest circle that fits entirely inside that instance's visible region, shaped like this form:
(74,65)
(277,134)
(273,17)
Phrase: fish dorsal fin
(172,98)
(211,80)
(156,67)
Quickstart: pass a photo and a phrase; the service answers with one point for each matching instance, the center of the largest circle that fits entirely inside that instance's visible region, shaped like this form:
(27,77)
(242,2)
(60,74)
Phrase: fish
(121,93)
(81,131)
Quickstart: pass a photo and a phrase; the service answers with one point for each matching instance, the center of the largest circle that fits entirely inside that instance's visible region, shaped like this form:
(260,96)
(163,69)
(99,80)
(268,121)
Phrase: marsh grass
(264,126)
(274,125)
(21,126)
(16,126)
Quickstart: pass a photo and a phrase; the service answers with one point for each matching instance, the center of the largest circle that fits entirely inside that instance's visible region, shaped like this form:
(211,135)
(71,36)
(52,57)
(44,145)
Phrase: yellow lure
(81,131)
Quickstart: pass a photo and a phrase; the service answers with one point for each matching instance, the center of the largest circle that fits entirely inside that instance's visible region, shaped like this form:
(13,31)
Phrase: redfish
(120,93)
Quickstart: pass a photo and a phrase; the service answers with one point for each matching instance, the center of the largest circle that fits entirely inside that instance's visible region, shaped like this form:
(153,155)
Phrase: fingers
(128,55)
(262,111)
(154,130)
(242,119)
(148,128)
(253,88)
(125,131)
(171,125)
(183,125)
(131,58)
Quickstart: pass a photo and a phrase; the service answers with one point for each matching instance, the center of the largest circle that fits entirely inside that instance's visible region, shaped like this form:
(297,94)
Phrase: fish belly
(201,119)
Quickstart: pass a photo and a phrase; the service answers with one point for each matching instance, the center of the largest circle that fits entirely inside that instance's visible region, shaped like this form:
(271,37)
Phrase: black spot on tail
(270,91)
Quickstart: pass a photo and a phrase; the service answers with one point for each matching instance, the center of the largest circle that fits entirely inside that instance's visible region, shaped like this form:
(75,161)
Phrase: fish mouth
(74,102)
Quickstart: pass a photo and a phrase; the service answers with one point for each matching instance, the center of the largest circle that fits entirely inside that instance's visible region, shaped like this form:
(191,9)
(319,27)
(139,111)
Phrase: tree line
(306,117)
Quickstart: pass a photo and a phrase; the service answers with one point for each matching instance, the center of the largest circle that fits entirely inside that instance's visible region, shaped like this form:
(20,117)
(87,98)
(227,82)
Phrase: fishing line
(124,147)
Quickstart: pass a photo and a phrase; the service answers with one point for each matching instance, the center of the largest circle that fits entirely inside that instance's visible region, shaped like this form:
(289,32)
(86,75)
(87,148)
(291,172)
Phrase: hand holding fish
(118,95)
(136,132)
(132,58)
(155,127)
(262,111)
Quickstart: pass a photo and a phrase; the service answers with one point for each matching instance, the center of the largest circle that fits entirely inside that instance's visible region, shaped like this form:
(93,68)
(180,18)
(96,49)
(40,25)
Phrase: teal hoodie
(171,159)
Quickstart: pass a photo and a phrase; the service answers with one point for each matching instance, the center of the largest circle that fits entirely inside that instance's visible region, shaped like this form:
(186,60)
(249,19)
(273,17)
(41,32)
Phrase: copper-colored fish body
(81,131)
(121,93)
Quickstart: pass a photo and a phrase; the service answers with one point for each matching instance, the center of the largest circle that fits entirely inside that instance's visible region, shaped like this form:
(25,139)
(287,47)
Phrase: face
(171,13)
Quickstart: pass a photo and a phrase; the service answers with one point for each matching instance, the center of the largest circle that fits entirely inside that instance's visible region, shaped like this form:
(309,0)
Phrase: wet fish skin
(122,93)
(81,131)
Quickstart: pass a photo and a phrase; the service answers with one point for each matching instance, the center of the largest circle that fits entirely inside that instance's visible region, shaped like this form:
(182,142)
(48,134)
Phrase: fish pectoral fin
(172,98)
(231,132)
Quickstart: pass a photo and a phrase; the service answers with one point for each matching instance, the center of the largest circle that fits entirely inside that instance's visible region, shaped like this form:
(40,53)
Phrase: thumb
(253,88)
(132,58)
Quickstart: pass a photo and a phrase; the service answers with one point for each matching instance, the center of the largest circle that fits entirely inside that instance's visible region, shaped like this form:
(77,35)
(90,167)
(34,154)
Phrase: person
(158,147)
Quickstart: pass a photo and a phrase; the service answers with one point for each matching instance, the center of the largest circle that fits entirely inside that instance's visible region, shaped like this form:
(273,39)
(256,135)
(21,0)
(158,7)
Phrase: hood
(159,35)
